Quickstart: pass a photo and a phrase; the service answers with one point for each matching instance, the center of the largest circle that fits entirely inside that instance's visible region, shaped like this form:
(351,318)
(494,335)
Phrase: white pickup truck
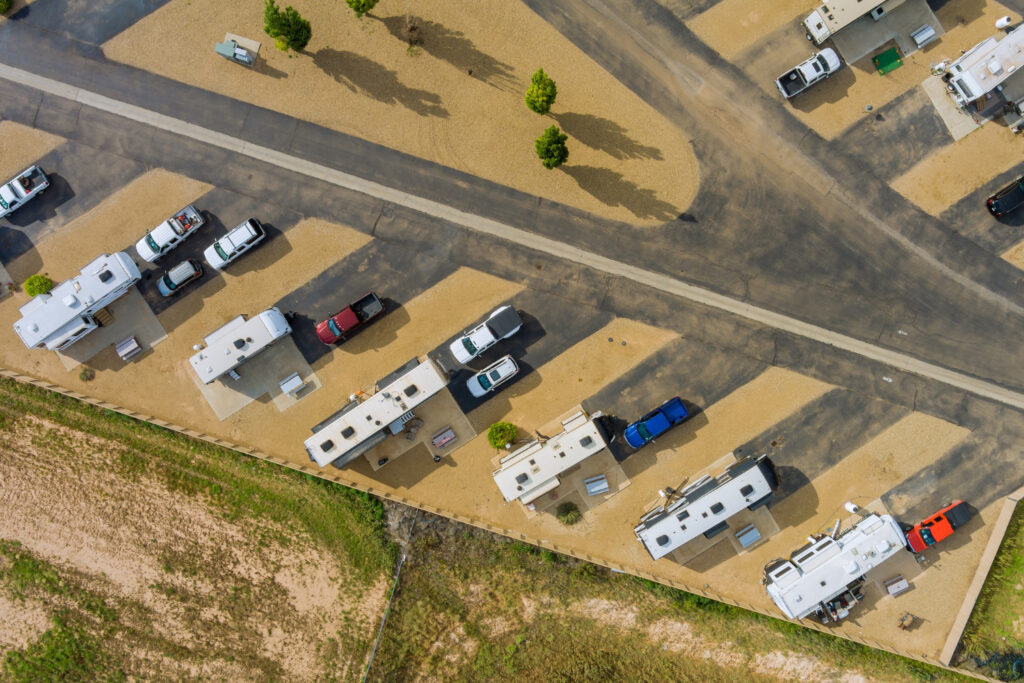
(169,234)
(21,188)
(817,67)
(232,245)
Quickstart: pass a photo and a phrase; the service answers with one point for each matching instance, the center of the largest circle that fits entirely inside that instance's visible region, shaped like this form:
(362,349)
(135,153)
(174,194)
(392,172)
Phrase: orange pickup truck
(938,527)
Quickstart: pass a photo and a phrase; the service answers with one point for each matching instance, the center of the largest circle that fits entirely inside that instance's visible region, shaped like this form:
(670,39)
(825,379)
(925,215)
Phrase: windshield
(824,64)
(642,429)
(4,204)
(168,283)
(220,251)
(927,537)
(484,382)
(333,327)
(469,346)
(152,243)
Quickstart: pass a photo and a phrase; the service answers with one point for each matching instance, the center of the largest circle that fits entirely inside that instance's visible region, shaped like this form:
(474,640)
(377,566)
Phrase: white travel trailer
(58,319)
(238,341)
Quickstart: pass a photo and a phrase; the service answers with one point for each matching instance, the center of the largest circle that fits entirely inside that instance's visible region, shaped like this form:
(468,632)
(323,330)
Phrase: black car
(1007,199)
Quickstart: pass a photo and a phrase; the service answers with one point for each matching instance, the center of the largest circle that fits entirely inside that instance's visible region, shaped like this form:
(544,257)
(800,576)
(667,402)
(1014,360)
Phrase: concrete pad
(260,375)
(132,318)
(6,282)
(571,485)
(438,413)
(733,26)
(21,146)
(958,122)
(285,401)
(864,37)
(944,177)
(115,225)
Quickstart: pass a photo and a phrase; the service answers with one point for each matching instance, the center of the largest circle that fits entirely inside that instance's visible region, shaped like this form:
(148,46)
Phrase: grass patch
(67,652)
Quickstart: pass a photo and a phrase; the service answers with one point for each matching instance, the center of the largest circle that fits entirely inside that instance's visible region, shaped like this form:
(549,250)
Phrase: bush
(501,434)
(37,284)
(541,93)
(361,7)
(87,375)
(568,513)
(286,26)
(551,148)
(5,5)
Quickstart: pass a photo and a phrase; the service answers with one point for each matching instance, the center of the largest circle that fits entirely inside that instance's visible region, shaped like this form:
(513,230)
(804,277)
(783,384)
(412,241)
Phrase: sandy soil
(21,146)
(1015,255)
(77,512)
(942,178)
(457,99)
(733,26)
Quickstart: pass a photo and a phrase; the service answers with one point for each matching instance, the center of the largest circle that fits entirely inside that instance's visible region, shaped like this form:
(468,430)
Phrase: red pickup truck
(356,314)
(938,527)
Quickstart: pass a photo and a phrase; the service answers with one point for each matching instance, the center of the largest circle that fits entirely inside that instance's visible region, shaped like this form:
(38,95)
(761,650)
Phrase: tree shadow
(367,77)
(612,189)
(605,135)
(453,47)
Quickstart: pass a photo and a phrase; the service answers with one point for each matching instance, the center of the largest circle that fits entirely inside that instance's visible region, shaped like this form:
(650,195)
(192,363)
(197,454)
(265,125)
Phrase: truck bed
(369,306)
(791,83)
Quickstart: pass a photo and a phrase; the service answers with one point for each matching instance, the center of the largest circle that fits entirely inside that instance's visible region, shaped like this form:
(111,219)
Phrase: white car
(493,376)
(501,324)
(234,244)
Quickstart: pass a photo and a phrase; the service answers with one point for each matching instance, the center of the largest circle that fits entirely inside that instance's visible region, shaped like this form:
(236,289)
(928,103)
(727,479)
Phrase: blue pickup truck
(657,422)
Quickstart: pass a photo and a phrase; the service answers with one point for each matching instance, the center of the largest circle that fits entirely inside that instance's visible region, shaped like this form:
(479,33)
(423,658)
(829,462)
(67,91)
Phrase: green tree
(5,5)
(541,93)
(568,514)
(286,26)
(361,7)
(551,147)
(38,284)
(501,434)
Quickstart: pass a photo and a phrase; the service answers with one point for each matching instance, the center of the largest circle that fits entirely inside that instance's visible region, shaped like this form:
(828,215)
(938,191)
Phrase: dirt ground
(733,26)
(20,146)
(139,541)
(456,99)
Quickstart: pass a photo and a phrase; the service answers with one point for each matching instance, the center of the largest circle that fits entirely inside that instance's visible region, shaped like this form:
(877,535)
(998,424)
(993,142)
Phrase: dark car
(1007,199)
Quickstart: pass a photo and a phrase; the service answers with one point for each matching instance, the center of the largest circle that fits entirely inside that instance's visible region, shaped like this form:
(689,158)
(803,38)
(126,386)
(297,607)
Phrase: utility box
(238,49)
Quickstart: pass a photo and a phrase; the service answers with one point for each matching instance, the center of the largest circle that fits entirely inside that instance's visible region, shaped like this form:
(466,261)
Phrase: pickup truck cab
(817,67)
(501,324)
(356,314)
(232,245)
(938,527)
(655,423)
(16,192)
(169,234)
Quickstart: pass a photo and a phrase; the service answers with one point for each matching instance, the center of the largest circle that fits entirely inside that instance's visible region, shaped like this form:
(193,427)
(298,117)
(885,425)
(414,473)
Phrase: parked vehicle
(501,324)
(16,192)
(232,245)
(817,67)
(493,376)
(169,234)
(1007,199)
(356,314)
(655,423)
(179,276)
(938,527)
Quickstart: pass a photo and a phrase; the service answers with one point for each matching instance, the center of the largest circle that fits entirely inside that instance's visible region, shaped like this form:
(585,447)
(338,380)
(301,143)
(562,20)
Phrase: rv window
(106,276)
(682,515)
(746,490)
(411,390)
(327,445)
(717,507)
(586,442)
(662,540)
(347,432)
(521,478)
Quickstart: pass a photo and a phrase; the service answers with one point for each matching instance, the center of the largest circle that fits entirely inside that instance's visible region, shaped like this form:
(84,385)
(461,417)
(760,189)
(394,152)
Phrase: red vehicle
(342,323)
(938,527)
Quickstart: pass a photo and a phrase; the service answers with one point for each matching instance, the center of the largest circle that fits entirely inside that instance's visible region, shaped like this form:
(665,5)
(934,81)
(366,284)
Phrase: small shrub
(501,434)
(551,148)
(568,513)
(541,93)
(361,7)
(5,6)
(87,375)
(37,284)
(287,27)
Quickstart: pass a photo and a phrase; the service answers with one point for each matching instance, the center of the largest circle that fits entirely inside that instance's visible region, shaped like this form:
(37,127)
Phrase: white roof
(47,319)
(374,414)
(986,65)
(531,471)
(841,13)
(703,505)
(823,569)
(231,345)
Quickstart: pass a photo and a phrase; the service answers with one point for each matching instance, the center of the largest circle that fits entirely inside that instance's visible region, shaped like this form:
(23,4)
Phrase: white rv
(58,319)
(833,16)
(238,341)
(531,471)
(984,67)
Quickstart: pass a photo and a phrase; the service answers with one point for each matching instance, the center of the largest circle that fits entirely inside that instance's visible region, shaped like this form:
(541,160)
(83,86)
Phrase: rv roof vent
(411,390)
(521,478)
(586,442)
(239,343)
(662,540)
(106,276)
(995,68)
(327,445)
(70,301)
(347,432)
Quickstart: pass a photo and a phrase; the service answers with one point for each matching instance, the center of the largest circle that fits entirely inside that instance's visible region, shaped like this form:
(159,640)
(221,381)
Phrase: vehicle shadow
(831,90)
(18,253)
(367,77)
(455,48)
(375,334)
(44,206)
(636,460)
(605,135)
(612,189)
